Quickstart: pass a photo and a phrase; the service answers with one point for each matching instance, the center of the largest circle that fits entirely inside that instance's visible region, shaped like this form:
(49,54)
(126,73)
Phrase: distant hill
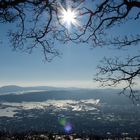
(15,89)
(10,88)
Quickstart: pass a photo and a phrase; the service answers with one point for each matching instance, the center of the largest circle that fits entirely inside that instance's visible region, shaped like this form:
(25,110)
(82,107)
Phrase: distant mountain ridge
(15,88)
(19,89)
(10,88)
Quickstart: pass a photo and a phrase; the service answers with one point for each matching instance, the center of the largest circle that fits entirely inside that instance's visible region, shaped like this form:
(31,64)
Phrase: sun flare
(68,17)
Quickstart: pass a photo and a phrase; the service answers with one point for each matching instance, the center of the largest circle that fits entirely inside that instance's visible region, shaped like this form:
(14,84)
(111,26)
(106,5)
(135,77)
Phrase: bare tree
(38,22)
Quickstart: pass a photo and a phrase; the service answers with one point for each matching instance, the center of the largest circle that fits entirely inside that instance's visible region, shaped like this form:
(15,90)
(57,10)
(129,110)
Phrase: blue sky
(77,63)
(76,67)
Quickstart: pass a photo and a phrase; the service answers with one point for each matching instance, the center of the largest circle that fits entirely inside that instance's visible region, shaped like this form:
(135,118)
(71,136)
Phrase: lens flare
(68,128)
(62,121)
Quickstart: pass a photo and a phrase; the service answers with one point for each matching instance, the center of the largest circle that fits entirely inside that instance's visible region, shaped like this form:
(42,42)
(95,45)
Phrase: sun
(68,17)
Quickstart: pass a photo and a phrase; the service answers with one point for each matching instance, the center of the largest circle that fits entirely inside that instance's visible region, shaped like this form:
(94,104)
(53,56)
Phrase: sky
(75,68)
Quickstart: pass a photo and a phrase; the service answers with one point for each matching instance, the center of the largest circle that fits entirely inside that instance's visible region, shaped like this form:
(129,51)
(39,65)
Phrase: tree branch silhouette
(37,27)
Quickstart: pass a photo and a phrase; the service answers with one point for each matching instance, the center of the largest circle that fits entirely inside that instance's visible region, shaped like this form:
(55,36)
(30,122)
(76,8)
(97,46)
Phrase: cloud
(57,105)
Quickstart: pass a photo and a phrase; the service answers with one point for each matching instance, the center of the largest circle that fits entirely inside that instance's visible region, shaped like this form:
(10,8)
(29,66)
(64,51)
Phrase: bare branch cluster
(105,15)
(114,72)
(34,25)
